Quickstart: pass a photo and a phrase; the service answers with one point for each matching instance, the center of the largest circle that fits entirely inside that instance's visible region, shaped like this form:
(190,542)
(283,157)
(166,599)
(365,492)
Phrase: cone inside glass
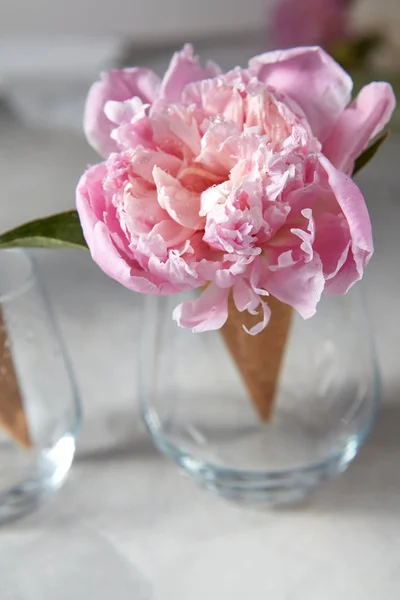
(12,413)
(259,358)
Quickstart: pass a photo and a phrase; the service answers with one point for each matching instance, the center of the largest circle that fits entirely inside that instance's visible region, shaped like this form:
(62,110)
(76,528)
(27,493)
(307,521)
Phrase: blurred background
(50,50)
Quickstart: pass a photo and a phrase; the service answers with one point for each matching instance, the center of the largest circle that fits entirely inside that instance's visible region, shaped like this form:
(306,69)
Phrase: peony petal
(127,273)
(352,204)
(244,297)
(144,161)
(120,85)
(220,147)
(310,77)
(176,269)
(359,123)
(90,202)
(258,327)
(172,233)
(132,124)
(184,68)
(123,112)
(207,312)
(218,98)
(139,213)
(300,285)
(332,242)
(181,204)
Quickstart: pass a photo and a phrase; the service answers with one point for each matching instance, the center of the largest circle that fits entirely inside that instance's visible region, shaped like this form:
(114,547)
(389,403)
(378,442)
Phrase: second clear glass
(35,374)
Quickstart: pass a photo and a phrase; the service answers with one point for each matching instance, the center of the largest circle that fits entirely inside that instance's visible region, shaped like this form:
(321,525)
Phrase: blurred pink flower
(240,181)
(307,22)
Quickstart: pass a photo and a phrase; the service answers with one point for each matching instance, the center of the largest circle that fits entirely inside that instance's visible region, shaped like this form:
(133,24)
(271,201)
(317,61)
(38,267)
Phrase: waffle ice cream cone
(259,358)
(12,412)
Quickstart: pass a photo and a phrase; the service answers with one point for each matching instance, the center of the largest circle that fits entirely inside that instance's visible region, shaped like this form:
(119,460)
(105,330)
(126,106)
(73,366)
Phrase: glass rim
(27,279)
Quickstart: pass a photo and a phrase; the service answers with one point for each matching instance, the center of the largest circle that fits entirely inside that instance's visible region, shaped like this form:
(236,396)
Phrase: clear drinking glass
(37,392)
(198,411)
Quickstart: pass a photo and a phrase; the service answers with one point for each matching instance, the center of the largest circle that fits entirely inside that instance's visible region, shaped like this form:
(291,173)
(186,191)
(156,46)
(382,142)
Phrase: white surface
(180,542)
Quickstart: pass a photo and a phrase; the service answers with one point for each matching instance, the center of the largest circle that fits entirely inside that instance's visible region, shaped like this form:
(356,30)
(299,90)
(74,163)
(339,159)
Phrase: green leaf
(370,152)
(58,231)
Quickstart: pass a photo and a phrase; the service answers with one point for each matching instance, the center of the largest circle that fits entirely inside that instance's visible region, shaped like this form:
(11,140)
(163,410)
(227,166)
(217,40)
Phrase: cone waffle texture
(259,358)
(12,412)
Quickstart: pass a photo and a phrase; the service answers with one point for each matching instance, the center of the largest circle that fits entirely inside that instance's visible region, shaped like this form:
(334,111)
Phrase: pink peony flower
(305,22)
(239,180)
